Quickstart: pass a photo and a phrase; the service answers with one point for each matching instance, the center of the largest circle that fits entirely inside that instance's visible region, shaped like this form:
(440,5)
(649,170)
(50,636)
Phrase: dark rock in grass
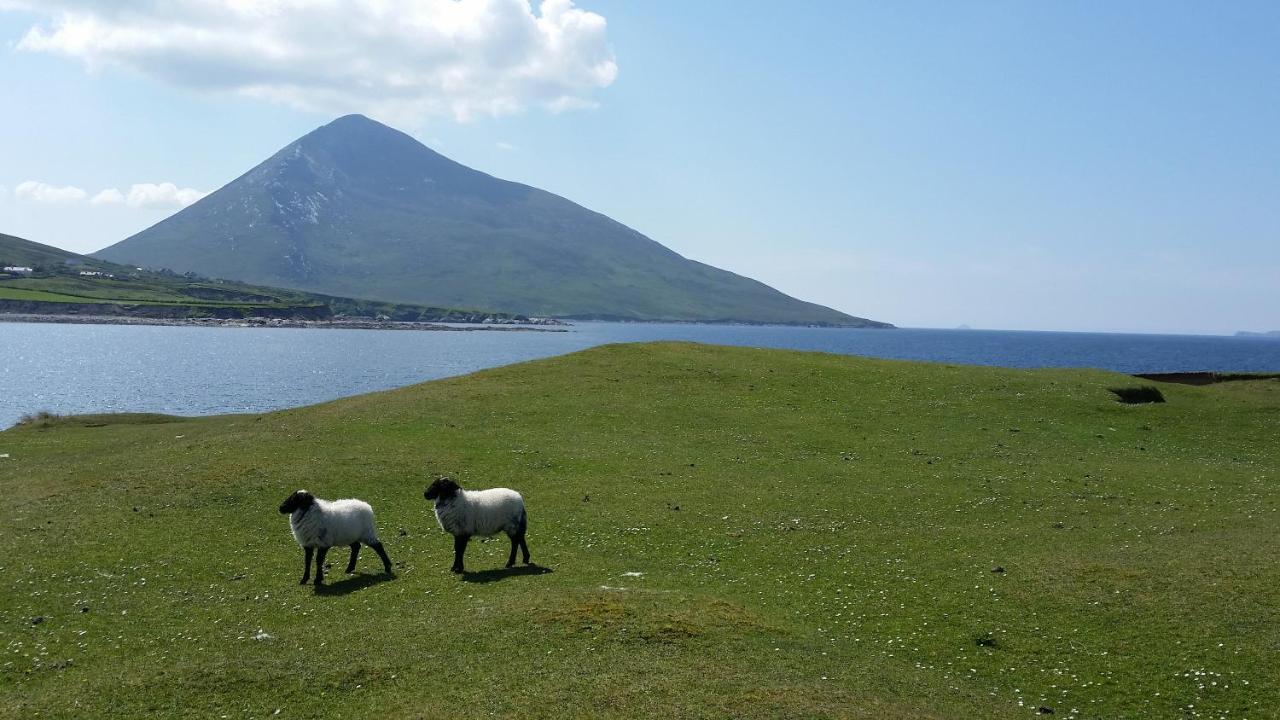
(997,569)
(1058,526)
(1045,710)
(37,620)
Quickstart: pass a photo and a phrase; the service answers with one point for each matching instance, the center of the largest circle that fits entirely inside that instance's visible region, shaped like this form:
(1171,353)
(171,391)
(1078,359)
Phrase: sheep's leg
(386,561)
(459,547)
(511,559)
(320,553)
(355,552)
(306,565)
(519,537)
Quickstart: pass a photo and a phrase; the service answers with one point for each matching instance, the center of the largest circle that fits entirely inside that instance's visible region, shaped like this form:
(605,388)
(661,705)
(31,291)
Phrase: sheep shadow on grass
(352,583)
(488,576)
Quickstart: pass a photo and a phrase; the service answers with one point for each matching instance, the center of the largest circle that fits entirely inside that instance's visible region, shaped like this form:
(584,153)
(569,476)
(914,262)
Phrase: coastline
(260,322)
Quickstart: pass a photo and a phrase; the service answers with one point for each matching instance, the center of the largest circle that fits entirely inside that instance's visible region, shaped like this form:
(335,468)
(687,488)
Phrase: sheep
(463,513)
(318,525)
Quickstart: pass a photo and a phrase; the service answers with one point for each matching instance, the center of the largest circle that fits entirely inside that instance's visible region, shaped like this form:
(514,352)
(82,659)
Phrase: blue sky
(1056,166)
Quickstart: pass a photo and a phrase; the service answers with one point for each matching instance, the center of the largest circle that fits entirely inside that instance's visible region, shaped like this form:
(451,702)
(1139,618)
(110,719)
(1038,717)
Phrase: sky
(1082,166)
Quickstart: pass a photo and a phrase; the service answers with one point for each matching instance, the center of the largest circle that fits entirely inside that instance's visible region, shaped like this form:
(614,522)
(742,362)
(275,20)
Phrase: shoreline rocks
(262,322)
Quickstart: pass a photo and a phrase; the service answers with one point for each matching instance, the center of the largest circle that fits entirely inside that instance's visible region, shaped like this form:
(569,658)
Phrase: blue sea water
(199,371)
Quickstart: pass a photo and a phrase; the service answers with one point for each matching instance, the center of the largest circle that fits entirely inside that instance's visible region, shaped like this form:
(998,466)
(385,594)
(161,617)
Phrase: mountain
(25,253)
(357,208)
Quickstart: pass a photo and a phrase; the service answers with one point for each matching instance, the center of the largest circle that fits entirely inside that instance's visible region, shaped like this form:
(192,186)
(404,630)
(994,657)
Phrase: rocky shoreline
(261,322)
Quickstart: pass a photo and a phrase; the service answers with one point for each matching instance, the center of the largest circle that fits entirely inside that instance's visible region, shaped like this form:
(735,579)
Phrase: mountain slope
(64,283)
(357,208)
(25,253)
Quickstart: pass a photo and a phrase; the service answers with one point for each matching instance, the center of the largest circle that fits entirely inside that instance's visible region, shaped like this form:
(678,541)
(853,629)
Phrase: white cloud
(145,196)
(165,196)
(38,192)
(110,196)
(506,146)
(401,60)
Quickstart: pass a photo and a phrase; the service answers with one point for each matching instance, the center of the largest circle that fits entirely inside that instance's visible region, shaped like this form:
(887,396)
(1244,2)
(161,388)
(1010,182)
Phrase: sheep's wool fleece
(333,523)
(481,512)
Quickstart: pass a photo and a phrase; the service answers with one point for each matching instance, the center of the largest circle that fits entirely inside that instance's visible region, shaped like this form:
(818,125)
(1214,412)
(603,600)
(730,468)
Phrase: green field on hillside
(720,532)
(104,296)
(20,293)
(150,290)
(54,276)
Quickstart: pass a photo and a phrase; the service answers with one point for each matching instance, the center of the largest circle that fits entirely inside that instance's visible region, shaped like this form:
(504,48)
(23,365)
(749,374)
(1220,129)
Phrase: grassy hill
(25,253)
(729,533)
(359,209)
(57,286)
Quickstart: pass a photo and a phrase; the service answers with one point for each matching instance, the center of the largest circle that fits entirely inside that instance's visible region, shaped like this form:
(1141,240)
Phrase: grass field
(56,279)
(721,533)
(74,289)
(17,293)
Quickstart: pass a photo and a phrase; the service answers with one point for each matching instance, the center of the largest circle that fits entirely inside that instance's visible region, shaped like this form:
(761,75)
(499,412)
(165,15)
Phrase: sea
(71,368)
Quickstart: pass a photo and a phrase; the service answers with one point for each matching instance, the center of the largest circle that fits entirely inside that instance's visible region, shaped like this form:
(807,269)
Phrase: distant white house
(17,269)
(96,273)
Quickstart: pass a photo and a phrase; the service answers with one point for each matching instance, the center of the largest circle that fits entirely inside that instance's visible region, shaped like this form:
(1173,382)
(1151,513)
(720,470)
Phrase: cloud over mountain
(146,196)
(401,59)
(163,195)
(39,192)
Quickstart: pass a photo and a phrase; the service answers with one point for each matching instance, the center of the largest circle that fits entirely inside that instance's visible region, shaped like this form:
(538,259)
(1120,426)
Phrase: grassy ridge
(817,536)
(56,287)
(154,289)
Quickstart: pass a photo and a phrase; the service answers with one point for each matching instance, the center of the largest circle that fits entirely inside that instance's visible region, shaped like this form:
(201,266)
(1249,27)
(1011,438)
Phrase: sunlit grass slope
(730,533)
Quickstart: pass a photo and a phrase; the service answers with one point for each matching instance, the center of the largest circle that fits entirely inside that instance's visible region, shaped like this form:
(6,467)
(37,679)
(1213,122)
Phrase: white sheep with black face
(464,513)
(318,525)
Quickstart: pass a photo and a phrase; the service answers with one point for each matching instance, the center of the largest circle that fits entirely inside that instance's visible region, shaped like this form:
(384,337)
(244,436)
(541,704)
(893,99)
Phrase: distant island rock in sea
(1271,334)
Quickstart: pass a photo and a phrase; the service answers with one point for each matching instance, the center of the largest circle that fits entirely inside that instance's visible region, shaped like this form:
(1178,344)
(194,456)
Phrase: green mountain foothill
(356,208)
(44,282)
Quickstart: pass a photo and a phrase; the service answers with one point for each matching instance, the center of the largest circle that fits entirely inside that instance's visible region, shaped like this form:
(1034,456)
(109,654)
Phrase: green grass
(54,281)
(79,289)
(18,293)
(817,536)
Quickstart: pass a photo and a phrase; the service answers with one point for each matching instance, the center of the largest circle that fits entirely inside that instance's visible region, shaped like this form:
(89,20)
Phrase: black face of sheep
(300,500)
(443,489)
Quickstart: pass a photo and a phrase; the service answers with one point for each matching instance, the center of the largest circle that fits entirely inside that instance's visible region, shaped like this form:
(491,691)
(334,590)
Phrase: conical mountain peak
(359,209)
